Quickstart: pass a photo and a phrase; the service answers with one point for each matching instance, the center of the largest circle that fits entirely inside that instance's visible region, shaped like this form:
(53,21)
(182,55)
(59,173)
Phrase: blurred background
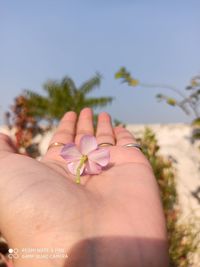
(157,41)
(137,60)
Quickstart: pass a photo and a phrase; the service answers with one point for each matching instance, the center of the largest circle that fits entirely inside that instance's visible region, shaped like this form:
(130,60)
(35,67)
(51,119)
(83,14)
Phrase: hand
(111,219)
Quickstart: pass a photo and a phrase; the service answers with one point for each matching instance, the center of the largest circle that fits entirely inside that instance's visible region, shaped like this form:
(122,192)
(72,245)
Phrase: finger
(85,124)
(66,130)
(104,132)
(6,145)
(123,136)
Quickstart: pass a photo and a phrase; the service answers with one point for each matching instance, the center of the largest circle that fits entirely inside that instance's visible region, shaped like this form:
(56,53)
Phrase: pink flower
(87,158)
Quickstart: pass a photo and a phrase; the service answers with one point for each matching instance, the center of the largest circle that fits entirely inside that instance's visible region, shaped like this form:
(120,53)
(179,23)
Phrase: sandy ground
(175,142)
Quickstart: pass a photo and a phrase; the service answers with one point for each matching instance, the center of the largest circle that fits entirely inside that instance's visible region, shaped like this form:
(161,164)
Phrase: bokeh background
(158,41)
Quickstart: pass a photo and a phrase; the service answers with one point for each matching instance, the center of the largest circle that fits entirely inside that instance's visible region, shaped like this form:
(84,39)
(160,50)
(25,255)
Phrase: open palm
(116,211)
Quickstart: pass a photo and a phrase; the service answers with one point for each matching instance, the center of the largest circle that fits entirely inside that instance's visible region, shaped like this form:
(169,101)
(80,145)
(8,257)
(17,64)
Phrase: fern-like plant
(62,96)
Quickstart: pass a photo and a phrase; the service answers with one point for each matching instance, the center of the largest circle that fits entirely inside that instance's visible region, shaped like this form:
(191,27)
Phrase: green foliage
(117,122)
(169,100)
(122,73)
(189,103)
(126,77)
(183,238)
(196,122)
(62,96)
(196,129)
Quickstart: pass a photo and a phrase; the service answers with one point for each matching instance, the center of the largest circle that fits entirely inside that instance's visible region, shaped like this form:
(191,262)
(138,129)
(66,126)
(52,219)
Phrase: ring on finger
(55,144)
(105,144)
(134,145)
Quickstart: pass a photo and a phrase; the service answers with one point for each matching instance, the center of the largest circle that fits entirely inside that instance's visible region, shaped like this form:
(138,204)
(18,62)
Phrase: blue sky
(158,41)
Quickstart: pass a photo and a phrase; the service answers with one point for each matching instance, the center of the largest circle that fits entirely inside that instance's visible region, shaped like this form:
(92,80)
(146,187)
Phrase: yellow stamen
(84,158)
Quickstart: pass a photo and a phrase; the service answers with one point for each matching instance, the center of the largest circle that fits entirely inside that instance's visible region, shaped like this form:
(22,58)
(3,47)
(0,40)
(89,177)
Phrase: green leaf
(133,82)
(62,96)
(196,122)
(89,85)
(171,101)
(118,75)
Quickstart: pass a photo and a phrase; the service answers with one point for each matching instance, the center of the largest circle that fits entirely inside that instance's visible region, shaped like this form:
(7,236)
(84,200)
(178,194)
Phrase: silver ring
(55,144)
(134,145)
(105,144)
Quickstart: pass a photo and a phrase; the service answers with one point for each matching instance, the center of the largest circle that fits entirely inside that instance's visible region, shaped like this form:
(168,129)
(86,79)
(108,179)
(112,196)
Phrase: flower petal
(88,143)
(70,153)
(100,156)
(92,168)
(73,166)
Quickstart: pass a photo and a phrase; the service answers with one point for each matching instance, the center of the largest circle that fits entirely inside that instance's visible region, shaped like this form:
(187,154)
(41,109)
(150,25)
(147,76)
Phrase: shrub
(182,236)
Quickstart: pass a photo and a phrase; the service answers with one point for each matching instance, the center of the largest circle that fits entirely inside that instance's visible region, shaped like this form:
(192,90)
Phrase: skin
(111,219)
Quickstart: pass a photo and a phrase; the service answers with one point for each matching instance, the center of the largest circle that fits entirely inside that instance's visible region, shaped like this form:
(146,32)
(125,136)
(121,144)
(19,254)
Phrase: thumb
(6,145)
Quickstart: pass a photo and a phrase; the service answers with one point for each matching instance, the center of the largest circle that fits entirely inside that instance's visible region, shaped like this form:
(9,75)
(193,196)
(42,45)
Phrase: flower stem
(84,158)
